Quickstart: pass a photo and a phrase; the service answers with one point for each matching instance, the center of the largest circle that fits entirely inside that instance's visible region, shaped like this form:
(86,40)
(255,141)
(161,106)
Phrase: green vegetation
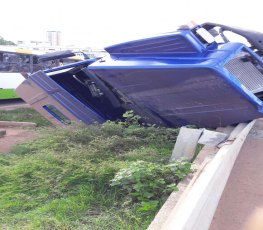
(5,42)
(110,176)
(147,183)
(198,149)
(8,94)
(24,114)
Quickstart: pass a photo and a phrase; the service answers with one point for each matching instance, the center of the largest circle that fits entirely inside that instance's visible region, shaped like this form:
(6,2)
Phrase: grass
(8,94)
(24,114)
(63,179)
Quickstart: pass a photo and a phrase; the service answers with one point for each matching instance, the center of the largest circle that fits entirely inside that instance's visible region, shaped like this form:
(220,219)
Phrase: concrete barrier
(195,208)
(4,124)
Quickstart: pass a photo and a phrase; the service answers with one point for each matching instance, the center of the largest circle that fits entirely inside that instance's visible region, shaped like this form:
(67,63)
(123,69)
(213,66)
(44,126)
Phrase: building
(22,43)
(54,38)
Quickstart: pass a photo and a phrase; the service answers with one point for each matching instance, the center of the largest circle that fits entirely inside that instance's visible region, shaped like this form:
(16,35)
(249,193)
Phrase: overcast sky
(99,23)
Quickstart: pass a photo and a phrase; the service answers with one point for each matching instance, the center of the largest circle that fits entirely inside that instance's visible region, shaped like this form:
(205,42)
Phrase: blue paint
(139,72)
(171,80)
(57,114)
(68,101)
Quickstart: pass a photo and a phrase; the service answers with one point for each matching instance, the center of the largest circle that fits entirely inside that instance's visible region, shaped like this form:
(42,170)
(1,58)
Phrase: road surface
(244,190)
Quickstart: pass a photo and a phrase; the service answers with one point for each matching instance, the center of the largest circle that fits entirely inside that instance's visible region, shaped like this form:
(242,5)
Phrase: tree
(5,42)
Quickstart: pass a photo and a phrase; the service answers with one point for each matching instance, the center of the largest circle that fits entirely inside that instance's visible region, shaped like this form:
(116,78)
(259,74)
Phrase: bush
(110,176)
(149,183)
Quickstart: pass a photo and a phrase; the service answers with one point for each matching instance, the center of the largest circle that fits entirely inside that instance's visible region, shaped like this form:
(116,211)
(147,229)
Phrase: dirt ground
(15,136)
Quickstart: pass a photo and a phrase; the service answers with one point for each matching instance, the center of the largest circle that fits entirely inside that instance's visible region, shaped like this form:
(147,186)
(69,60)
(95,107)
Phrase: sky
(100,23)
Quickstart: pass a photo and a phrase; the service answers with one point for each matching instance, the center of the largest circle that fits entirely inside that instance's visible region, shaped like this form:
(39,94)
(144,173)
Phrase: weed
(65,179)
(148,182)
(24,114)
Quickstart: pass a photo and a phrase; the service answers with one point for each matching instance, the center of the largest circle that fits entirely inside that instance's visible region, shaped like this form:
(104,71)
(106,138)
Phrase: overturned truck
(194,75)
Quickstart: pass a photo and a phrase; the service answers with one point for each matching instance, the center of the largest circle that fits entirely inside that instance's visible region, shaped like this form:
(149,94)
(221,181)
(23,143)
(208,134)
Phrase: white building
(54,38)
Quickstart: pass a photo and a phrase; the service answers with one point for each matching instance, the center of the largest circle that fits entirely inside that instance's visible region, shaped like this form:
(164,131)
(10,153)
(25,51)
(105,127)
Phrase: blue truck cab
(174,79)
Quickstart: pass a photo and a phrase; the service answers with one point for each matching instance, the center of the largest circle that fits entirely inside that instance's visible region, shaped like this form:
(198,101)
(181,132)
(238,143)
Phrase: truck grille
(246,72)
